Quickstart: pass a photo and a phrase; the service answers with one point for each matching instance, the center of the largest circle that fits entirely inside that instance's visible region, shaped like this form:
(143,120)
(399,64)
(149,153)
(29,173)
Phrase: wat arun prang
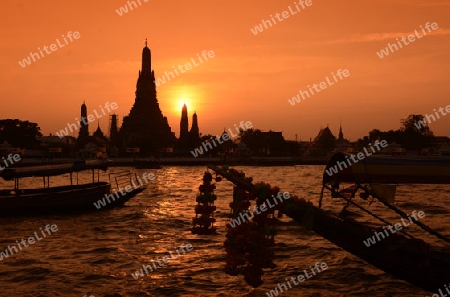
(146,127)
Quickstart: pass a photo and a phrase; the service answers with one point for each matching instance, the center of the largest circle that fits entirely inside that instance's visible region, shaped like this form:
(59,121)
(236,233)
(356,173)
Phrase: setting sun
(173,99)
(214,126)
(183,102)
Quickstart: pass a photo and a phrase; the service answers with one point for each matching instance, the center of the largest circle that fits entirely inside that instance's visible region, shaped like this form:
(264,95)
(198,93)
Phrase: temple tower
(146,127)
(184,124)
(341,135)
(194,134)
(83,134)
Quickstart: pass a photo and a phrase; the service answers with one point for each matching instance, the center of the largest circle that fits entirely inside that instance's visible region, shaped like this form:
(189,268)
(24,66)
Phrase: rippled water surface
(95,253)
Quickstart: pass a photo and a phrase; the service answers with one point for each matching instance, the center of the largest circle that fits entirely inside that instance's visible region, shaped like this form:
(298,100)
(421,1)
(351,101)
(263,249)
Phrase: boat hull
(397,170)
(409,259)
(62,199)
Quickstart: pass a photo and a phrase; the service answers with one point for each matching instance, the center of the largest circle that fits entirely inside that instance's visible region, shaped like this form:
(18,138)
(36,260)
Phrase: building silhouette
(341,135)
(113,130)
(323,143)
(342,144)
(87,145)
(188,138)
(83,133)
(194,133)
(326,143)
(184,127)
(146,127)
(98,137)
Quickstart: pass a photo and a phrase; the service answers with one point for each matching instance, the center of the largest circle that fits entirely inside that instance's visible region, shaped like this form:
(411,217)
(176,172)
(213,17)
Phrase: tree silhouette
(409,124)
(19,133)
(260,142)
(413,137)
(409,135)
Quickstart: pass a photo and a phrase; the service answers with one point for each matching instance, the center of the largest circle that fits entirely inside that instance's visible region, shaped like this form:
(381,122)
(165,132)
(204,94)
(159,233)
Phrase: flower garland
(203,223)
(249,245)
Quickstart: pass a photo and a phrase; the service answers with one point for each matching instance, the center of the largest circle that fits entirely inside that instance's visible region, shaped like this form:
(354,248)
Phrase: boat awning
(386,169)
(52,170)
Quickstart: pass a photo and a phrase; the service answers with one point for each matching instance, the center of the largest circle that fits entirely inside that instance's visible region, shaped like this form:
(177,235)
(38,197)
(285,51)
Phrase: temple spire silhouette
(146,59)
(194,133)
(184,125)
(146,127)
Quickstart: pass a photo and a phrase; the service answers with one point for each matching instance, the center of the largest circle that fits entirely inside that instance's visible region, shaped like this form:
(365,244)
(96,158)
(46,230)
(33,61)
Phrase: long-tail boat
(68,198)
(400,254)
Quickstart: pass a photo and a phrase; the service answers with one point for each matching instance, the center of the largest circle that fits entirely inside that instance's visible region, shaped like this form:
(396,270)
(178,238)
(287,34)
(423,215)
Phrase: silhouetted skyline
(248,72)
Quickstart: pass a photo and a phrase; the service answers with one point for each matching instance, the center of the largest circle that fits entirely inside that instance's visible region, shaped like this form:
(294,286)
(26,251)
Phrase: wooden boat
(407,258)
(399,254)
(68,198)
(386,169)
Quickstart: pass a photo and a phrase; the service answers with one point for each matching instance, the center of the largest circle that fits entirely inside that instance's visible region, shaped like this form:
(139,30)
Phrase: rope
(366,210)
(404,215)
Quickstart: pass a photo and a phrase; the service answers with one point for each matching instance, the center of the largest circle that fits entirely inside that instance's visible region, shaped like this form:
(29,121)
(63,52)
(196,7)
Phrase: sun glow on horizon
(182,103)
(185,94)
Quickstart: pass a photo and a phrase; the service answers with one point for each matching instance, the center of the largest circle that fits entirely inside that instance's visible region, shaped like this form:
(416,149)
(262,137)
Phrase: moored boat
(69,198)
(399,254)
(387,169)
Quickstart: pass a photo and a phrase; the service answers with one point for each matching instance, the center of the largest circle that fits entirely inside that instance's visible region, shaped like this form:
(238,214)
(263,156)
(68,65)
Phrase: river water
(95,254)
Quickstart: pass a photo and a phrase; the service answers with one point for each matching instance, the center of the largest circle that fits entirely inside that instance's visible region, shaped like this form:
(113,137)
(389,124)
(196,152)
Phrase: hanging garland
(250,236)
(235,244)
(261,239)
(203,223)
(249,245)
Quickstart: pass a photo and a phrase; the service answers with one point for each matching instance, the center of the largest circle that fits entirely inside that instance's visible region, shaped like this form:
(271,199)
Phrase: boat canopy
(388,170)
(52,170)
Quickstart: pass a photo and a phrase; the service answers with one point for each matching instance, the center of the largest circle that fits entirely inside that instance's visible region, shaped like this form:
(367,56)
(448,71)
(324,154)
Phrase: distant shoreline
(204,161)
(189,161)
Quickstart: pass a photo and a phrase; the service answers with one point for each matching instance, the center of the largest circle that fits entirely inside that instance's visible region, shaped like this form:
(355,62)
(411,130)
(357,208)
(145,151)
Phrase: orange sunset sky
(251,76)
